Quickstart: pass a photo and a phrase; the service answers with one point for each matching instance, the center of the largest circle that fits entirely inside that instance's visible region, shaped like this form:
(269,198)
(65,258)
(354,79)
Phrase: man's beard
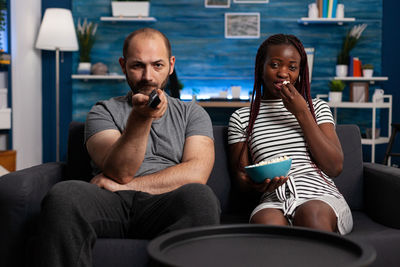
(145,87)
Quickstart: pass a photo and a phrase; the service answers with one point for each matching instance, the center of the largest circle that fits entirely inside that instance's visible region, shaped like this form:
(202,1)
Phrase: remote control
(154,100)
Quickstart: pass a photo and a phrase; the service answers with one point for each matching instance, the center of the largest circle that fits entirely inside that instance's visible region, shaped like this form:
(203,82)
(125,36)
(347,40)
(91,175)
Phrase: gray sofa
(372,191)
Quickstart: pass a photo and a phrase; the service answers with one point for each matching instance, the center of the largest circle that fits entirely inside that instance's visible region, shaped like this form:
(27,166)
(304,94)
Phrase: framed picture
(251,1)
(217,3)
(242,25)
(359,92)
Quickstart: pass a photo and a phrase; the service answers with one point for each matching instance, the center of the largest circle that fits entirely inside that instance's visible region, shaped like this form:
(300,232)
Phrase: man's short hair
(147,32)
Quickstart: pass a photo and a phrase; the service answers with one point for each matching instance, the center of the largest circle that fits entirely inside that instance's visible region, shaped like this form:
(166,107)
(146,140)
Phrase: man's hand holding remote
(147,106)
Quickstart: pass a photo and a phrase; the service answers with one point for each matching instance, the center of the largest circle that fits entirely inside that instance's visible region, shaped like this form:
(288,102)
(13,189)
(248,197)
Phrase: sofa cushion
(384,239)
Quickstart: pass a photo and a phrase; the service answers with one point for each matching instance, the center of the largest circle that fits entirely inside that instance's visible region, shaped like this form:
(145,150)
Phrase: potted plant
(368,70)
(350,41)
(86,37)
(336,88)
(129,8)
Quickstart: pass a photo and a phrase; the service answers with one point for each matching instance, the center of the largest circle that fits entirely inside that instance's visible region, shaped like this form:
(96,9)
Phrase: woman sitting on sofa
(284,120)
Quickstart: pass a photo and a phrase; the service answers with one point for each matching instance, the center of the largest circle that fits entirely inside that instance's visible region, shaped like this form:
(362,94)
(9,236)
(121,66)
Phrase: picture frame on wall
(242,25)
(359,92)
(251,1)
(217,3)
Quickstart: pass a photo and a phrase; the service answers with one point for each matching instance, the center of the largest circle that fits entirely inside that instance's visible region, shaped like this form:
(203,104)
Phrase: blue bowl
(269,171)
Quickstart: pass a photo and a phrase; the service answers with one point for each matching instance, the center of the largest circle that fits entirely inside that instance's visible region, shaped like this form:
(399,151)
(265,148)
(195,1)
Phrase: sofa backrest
(78,160)
(349,182)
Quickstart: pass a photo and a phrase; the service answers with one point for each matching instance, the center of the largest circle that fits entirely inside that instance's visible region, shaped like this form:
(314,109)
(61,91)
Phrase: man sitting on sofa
(152,164)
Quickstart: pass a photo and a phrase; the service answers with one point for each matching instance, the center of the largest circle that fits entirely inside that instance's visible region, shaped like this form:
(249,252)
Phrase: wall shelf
(371,80)
(128,19)
(339,21)
(97,77)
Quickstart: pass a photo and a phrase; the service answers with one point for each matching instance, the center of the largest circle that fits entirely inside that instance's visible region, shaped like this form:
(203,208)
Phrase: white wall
(26,82)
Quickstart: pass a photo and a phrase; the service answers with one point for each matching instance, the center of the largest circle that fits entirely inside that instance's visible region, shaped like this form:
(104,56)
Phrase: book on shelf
(324,8)
(330,6)
(319,5)
(350,68)
(327,8)
(334,7)
(357,71)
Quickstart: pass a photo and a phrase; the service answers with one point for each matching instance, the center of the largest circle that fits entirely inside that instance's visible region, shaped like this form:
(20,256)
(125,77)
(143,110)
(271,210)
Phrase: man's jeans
(75,213)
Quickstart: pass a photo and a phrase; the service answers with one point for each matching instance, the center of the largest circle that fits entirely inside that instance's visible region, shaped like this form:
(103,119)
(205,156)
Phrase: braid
(302,85)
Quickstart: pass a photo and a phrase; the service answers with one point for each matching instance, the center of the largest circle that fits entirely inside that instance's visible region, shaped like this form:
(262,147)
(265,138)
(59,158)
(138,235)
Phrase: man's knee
(63,196)
(200,203)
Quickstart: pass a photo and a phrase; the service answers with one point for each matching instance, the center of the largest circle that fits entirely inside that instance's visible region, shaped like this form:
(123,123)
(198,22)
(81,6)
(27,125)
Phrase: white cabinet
(385,103)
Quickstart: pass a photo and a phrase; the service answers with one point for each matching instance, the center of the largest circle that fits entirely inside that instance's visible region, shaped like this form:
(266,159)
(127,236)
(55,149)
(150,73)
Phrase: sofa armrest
(382,193)
(21,193)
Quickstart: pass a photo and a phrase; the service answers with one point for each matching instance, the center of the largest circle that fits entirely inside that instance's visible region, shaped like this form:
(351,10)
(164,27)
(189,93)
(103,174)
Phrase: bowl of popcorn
(269,169)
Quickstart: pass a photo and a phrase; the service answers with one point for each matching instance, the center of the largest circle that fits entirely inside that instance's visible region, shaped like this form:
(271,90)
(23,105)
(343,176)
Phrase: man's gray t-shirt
(167,134)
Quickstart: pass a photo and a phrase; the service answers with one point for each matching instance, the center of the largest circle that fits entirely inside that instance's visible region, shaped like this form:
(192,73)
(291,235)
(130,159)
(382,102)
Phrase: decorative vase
(368,72)
(341,70)
(335,97)
(84,67)
(130,9)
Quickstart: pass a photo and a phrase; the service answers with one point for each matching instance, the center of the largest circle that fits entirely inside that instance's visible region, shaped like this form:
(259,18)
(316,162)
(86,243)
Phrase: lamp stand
(57,104)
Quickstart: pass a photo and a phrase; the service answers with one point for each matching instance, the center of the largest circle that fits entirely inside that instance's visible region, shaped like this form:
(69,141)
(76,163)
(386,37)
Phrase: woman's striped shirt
(277,132)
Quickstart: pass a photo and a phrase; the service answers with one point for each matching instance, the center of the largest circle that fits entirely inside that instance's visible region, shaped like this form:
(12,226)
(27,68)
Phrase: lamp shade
(57,31)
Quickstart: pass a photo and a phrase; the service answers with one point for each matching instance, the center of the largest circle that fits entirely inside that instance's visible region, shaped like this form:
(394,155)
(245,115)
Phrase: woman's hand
(243,180)
(293,101)
(270,185)
(321,139)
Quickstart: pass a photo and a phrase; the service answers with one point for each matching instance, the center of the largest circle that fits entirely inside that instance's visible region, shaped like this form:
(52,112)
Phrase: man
(152,164)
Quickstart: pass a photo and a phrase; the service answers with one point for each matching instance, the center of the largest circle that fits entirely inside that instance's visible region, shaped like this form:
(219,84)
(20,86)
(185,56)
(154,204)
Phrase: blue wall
(208,62)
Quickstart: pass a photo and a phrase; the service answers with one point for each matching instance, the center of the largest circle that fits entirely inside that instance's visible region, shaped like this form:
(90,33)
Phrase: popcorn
(285,82)
(269,161)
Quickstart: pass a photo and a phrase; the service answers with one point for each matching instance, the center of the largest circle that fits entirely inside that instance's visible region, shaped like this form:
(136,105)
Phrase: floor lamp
(57,33)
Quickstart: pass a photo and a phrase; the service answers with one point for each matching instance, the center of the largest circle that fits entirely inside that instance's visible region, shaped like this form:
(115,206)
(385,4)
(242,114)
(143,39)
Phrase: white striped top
(277,132)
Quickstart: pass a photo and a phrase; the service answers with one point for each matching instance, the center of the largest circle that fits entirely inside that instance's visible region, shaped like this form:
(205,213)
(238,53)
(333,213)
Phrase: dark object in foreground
(254,245)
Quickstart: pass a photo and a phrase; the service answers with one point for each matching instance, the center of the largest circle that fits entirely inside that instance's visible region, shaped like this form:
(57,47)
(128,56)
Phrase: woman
(284,120)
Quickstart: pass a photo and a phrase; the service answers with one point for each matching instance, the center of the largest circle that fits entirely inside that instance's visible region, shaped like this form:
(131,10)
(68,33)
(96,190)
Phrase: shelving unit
(374,105)
(339,21)
(97,77)
(128,19)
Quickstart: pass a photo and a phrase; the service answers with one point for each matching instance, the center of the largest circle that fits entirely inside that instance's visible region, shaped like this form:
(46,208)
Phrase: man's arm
(118,155)
(197,162)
